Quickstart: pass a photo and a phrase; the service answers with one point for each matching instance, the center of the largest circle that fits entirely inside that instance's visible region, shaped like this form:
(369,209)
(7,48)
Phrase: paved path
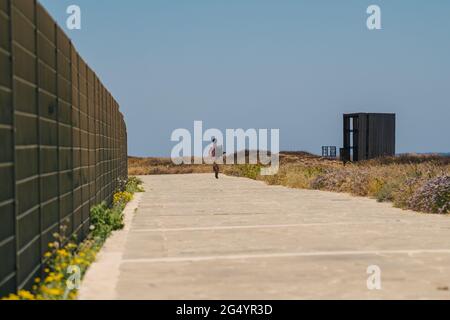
(193,237)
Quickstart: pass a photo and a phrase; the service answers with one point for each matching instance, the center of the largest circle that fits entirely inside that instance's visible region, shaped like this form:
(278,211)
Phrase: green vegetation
(246,170)
(133,185)
(67,261)
(105,220)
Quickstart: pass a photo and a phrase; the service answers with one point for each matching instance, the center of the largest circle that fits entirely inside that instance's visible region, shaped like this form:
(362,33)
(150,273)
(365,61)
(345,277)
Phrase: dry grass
(152,166)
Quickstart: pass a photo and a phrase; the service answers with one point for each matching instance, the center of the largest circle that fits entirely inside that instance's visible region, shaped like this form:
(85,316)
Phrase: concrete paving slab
(195,237)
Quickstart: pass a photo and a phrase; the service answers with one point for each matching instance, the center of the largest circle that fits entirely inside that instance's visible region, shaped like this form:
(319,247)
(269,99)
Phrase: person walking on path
(214,154)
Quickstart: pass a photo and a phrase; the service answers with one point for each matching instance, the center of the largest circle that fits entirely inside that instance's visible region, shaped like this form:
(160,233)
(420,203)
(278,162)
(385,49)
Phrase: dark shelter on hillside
(368,136)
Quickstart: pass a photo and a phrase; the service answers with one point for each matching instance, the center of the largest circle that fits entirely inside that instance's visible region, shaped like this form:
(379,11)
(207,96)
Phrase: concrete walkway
(192,237)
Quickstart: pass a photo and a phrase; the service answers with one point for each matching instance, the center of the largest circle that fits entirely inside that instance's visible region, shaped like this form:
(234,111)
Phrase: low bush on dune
(244,170)
(433,196)
(386,191)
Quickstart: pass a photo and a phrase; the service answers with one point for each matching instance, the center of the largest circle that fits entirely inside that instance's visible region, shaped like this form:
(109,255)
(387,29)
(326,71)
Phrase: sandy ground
(194,237)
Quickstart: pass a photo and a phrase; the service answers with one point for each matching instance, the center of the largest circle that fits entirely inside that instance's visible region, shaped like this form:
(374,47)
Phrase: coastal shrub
(386,192)
(405,191)
(375,185)
(433,196)
(298,176)
(250,171)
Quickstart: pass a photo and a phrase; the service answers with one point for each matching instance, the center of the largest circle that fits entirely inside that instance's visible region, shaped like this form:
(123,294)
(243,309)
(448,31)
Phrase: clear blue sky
(293,65)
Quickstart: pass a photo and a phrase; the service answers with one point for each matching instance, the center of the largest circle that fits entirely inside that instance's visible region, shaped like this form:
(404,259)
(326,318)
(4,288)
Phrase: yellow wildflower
(62,253)
(55,292)
(72,296)
(122,197)
(26,295)
(58,277)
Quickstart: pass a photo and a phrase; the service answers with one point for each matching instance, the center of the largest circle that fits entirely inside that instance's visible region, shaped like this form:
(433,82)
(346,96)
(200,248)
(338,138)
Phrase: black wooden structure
(368,136)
